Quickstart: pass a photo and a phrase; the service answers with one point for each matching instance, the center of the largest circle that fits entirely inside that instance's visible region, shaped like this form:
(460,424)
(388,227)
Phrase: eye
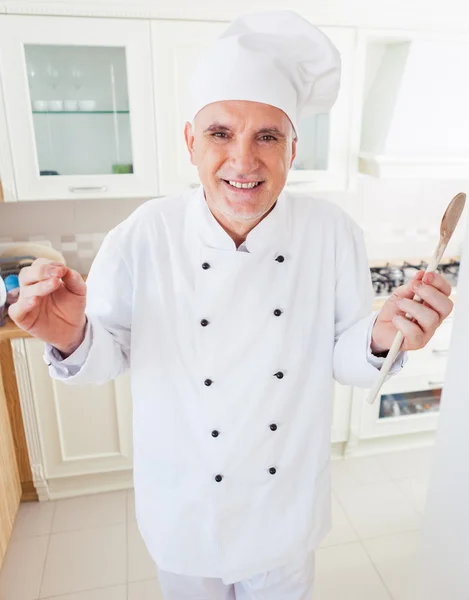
(268,138)
(220,134)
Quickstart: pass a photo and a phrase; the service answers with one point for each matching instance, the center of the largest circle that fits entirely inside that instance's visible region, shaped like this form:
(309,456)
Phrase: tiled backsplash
(400,219)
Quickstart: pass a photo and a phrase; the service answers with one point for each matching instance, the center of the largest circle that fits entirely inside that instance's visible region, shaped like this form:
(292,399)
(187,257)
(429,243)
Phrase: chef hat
(275,57)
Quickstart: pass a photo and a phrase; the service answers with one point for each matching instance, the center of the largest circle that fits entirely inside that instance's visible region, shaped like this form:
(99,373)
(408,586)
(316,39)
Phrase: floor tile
(346,573)
(21,574)
(85,560)
(34,518)
(396,558)
(357,471)
(130,506)
(407,464)
(90,511)
(379,509)
(342,531)
(140,563)
(415,490)
(109,593)
(145,590)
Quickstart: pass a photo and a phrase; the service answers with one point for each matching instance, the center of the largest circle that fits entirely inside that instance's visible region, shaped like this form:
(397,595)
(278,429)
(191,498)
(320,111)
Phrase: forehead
(243,114)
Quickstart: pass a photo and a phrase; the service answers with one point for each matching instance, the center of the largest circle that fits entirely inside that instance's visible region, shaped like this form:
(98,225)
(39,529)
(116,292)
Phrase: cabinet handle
(84,188)
(438,383)
(440,352)
(298,183)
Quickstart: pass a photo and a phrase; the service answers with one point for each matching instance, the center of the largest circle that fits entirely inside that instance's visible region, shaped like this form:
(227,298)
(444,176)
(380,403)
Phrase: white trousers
(294,582)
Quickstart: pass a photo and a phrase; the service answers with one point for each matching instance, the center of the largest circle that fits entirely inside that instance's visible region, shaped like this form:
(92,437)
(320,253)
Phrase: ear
(189,137)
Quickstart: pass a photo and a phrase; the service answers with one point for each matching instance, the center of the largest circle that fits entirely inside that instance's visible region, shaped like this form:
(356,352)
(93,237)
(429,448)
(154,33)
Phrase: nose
(244,159)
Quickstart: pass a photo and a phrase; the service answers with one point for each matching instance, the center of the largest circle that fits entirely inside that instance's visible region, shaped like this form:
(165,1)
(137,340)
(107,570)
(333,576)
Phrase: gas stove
(388,277)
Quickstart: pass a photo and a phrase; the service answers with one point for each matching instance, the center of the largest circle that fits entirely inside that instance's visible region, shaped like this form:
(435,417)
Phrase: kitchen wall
(400,219)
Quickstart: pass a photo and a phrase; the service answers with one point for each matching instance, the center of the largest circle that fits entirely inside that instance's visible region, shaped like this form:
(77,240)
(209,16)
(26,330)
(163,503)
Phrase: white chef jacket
(231,418)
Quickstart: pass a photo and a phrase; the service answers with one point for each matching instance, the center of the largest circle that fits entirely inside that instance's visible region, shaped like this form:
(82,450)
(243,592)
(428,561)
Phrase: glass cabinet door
(80,106)
(79,101)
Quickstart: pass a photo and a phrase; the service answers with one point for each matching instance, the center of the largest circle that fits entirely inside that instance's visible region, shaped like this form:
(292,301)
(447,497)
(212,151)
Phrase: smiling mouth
(250,185)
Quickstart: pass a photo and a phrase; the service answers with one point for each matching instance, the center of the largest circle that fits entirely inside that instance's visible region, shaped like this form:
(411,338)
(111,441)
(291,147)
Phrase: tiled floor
(89,548)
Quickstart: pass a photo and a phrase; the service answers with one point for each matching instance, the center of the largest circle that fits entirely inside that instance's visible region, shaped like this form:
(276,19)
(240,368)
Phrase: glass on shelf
(80,106)
(312,149)
(410,403)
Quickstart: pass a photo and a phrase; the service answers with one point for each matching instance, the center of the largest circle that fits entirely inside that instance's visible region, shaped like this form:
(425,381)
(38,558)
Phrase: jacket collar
(269,236)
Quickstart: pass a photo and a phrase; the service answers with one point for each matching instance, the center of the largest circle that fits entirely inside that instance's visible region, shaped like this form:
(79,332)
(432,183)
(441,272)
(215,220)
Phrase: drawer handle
(438,383)
(84,188)
(440,352)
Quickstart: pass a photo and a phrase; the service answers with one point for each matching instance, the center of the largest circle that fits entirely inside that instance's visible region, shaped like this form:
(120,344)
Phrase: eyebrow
(264,131)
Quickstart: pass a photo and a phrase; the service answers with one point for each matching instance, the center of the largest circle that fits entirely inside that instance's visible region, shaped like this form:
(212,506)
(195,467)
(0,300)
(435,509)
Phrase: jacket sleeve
(105,351)
(353,362)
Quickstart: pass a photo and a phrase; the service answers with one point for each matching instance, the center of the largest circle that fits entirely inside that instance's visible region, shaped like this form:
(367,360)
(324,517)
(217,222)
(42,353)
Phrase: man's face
(240,142)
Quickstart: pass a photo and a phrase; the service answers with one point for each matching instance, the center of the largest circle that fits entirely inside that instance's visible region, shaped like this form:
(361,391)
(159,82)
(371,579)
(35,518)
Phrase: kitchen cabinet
(10,487)
(326,141)
(341,408)
(85,431)
(409,402)
(78,101)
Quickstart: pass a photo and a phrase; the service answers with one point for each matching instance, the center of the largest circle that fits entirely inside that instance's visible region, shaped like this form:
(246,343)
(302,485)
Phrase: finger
(434,298)
(42,288)
(439,282)
(73,281)
(427,318)
(40,269)
(414,337)
(407,290)
(20,310)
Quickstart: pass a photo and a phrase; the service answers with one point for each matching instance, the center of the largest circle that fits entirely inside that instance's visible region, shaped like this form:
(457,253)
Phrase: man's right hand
(51,305)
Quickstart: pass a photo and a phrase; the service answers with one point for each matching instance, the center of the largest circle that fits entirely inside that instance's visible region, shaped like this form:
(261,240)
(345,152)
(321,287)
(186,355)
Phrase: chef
(234,305)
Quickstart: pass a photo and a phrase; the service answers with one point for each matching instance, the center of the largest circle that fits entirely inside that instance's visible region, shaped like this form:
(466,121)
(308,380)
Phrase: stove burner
(387,278)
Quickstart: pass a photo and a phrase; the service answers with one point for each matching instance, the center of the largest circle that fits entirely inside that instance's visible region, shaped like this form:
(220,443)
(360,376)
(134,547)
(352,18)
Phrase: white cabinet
(85,432)
(409,402)
(341,409)
(177,46)
(325,147)
(78,97)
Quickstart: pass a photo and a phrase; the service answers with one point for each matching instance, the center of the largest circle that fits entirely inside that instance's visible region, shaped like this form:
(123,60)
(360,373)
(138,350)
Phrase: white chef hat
(275,57)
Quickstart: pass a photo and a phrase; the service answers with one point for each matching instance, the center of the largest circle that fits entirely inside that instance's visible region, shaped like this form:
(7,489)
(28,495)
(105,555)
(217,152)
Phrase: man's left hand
(434,291)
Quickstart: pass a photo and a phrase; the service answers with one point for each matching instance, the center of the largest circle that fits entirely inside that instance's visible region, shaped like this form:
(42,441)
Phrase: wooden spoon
(448,225)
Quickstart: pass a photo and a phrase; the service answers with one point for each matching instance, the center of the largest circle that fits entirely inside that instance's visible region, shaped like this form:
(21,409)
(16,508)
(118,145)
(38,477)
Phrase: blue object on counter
(12,282)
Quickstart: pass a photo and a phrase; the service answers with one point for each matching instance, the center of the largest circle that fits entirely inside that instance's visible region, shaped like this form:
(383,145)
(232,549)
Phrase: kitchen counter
(10,331)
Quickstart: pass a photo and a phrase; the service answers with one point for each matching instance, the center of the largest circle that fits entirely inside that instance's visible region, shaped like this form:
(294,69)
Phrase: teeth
(244,185)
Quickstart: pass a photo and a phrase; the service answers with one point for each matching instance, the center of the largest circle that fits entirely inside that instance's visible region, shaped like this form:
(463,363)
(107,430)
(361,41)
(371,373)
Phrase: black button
(208,382)
(279,375)
(273,427)
(218,478)
(280,258)
(204,322)
(272,470)
(205,266)
(215,433)
(277,312)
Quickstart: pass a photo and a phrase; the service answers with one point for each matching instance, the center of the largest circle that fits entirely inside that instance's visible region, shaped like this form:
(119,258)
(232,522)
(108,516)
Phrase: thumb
(74,283)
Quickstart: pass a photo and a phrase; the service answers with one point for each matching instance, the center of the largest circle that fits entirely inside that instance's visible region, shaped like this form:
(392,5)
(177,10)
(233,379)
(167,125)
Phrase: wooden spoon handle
(397,343)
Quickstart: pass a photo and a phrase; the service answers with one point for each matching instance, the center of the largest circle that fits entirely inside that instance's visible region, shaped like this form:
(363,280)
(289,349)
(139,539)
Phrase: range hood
(415,120)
